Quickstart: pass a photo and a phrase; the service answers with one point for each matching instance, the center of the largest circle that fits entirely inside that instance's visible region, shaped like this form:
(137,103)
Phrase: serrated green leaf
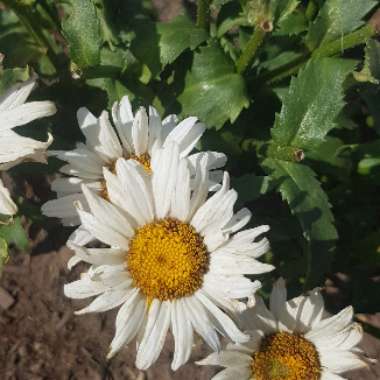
(14,233)
(9,77)
(213,90)
(3,254)
(177,36)
(314,101)
(309,203)
(81,28)
(371,68)
(337,18)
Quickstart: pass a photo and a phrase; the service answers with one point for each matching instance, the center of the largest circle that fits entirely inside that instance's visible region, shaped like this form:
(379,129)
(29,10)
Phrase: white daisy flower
(7,206)
(137,137)
(294,340)
(176,260)
(15,112)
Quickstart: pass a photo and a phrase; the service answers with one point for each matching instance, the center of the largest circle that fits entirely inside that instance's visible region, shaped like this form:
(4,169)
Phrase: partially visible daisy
(175,259)
(294,340)
(7,206)
(137,137)
(15,112)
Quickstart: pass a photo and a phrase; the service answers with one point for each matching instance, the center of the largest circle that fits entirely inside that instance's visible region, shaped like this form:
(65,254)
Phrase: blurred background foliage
(288,89)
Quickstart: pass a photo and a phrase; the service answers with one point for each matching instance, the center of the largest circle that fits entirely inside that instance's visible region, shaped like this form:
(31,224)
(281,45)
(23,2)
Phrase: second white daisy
(175,259)
(294,340)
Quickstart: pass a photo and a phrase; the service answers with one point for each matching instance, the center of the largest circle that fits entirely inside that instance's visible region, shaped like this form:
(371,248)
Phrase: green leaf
(9,77)
(314,100)
(14,233)
(337,18)
(282,9)
(82,32)
(213,90)
(3,254)
(177,36)
(309,203)
(371,68)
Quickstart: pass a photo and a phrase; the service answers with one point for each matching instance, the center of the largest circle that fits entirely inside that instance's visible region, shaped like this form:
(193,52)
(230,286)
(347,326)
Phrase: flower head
(13,147)
(175,258)
(293,340)
(135,137)
(15,112)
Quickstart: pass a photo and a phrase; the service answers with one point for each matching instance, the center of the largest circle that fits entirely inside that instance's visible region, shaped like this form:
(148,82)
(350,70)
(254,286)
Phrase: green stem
(250,50)
(28,18)
(329,49)
(203,13)
(351,40)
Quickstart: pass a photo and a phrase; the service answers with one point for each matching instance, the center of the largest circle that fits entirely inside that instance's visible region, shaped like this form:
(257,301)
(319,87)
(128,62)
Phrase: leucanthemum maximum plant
(293,340)
(176,257)
(135,136)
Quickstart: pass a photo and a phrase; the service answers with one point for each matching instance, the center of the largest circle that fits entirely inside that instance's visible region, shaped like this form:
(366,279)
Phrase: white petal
(241,373)
(201,322)
(164,178)
(155,127)
(183,334)
(26,113)
(215,160)
(186,134)
(110,299)
(331,325)
(181,198)
(123,118)
(99,256)
(223,319)
(17,94)
(307,311)
(15,149)
(227,359)
(102,232)
(140,132)
(7,206)
(327,375)
(128,321)
(155,334)
(232,264)
(137,191)
(206,214)
(106,213)
(238,221)
(340,361)
(80,237)
(63,207)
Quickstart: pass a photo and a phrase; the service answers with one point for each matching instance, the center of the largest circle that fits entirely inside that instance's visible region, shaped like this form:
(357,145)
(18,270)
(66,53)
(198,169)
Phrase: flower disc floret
(167,259)
(286,356)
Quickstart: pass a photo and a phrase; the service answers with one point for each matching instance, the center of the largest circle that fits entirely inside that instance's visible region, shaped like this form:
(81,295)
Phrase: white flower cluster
(169,250)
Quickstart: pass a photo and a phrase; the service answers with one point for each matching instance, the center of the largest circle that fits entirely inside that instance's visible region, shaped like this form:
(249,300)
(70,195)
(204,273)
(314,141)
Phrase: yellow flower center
(143,159)
(285,356)
(167,259)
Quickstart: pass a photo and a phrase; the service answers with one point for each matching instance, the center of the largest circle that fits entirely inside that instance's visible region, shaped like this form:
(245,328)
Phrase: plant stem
(203,9)
(32,24)
(329,49)
(351,40)
(250,50)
